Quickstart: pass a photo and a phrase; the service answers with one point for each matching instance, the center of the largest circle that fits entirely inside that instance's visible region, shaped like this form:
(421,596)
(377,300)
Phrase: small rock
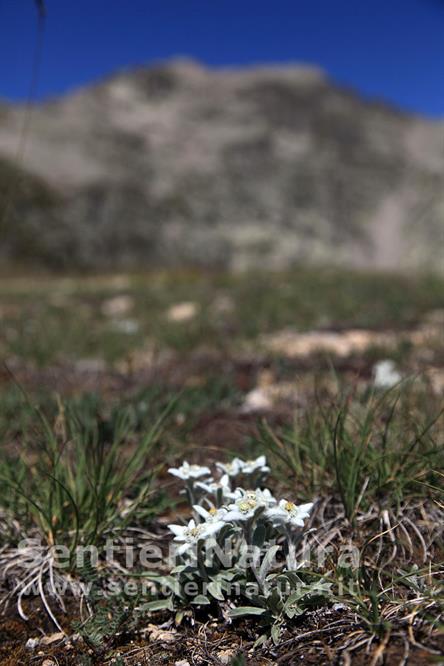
(182,662)
(117,306)
(385,374)
(31,643)
(162,635)
(226,656)
(268,393)
(342,344)
(53,638)
(182,311)
(256,401)
(128,326)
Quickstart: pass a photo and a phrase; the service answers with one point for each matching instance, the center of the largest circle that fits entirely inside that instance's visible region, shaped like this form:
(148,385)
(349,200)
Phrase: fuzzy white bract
(188,472)
(257,465)
(233,468)
(289,512)
(247,503)
(212,515)
(216,503)
(265,497)
(212,486)
(189,535)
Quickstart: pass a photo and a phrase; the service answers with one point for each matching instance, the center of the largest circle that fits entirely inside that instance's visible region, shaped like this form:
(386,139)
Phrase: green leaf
(215,590)
(178,618)
(170,582)
(157,604)
(260,641)
(200,600)
(268,561)
(295,596)
(259,536)
(292,578)
(226,575)
(246,610)
(275,633)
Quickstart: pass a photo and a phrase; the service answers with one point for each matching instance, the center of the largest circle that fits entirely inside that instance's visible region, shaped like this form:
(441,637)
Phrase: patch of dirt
(325,636)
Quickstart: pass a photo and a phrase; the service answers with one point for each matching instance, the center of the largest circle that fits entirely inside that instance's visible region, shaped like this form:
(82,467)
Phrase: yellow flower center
(246,505)
(289,506)
(212,511)
(194,531)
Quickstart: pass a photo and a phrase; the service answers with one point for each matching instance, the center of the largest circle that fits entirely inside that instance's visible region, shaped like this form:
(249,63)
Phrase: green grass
(51,320)
(69,477)
(79,466)
(374,447)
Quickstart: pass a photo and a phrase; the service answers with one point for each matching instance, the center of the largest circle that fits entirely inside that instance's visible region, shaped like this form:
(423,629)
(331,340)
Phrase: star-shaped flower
(187,471)
(257,465)
(289,512)
(232,468)
(247,503)
(211,516)
(212,486)
(189,535)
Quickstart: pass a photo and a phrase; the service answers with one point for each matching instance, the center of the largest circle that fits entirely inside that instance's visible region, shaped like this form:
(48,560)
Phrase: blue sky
(389,49)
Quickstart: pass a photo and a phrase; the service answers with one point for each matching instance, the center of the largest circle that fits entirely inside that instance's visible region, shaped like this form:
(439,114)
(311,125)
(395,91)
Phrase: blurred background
(222,135)
(202,175)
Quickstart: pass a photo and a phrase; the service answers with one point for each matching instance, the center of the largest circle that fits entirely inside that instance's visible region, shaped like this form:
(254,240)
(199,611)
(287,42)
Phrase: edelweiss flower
(242,509)
(211,486)
(258,465)
(190,534)
(247,503)
(288,512)
(265,497)
(213,516)
(186,471)
(233,468)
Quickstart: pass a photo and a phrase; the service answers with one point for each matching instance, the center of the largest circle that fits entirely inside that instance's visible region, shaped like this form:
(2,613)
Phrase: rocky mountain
(176,164)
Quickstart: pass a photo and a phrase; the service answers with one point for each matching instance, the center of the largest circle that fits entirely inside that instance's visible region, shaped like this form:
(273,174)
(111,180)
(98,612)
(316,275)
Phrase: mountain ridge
(176,164)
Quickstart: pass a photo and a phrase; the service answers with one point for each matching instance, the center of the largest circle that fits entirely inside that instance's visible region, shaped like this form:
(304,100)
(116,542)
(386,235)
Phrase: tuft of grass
(82,476)
(369,448)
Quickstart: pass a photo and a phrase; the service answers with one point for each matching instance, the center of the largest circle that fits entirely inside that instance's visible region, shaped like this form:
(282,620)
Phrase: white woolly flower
(289,512)
(187,471)
(211,516)
(232,468)
(247,503)
(257,465)
(189,535)
(212,487)
(265,497)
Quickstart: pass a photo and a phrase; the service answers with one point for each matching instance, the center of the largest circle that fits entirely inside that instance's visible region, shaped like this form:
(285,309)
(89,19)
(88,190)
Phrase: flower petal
(178,530)
(201,511)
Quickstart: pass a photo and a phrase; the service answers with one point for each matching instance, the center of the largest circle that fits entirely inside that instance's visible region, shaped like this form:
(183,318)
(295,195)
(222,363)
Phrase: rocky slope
(176,164)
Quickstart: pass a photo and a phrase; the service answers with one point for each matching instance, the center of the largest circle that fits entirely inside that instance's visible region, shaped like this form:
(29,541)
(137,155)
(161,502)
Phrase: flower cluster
(239,549)
(218,502)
